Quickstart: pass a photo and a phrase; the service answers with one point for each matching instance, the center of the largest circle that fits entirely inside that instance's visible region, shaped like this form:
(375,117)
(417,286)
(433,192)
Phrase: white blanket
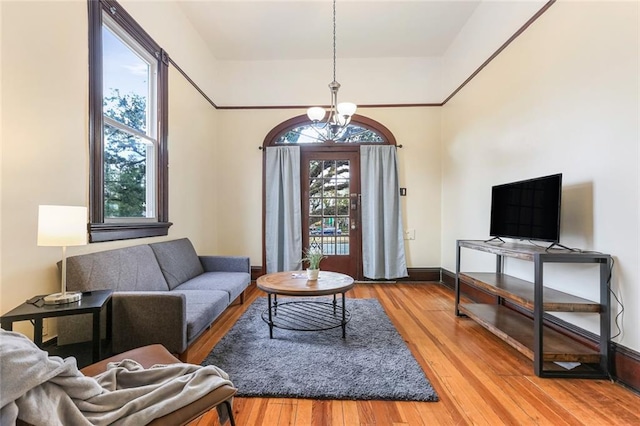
(48,390)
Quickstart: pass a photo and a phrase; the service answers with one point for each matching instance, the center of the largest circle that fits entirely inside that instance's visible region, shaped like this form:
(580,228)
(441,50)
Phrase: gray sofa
(163,292)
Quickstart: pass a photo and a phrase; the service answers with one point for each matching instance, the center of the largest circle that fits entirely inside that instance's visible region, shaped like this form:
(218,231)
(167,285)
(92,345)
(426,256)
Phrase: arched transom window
(301,130)
(315,133)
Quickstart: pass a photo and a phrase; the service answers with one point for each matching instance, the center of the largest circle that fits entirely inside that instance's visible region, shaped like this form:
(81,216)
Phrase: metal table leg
(270,318)
(344,311)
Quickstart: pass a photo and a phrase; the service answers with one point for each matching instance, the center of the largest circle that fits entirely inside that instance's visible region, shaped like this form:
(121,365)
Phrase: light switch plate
(409,234)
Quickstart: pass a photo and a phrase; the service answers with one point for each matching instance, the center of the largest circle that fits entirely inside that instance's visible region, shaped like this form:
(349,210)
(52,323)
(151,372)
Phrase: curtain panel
(383,255)
(283,234)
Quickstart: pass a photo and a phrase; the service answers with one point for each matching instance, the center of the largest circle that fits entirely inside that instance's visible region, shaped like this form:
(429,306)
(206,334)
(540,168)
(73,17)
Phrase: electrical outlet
(410,234)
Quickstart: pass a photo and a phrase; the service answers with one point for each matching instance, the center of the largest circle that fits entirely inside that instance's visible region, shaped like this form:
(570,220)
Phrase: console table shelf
(521,292)
(529,334)
(517,331)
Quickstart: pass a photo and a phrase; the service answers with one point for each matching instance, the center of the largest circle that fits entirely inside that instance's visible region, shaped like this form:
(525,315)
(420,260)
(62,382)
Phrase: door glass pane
(342,187)
(343,225)
(315,169)
(329,210)
(315,206)
(342,207)
(329,188)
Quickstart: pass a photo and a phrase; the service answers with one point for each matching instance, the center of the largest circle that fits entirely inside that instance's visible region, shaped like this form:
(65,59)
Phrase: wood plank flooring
(479,379)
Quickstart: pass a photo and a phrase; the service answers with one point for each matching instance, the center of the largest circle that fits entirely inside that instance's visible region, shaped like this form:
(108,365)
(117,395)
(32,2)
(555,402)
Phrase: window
(314,133)
(128,125)
(302,131)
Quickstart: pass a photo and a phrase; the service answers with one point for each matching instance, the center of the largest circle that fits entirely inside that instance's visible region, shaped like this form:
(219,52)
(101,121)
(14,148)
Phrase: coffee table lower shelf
(305,315)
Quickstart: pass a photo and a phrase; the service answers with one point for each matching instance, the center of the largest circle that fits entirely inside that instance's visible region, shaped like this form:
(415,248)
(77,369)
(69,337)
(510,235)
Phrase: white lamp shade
(347,108)
(316,113)
(62,226)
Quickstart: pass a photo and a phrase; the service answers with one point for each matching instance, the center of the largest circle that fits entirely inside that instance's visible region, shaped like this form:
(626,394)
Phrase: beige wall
(418,131)
(562,98)
(240,208)
(45,145)
(44,134)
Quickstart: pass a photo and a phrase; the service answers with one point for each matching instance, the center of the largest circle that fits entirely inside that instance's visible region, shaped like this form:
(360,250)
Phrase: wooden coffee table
(305,315)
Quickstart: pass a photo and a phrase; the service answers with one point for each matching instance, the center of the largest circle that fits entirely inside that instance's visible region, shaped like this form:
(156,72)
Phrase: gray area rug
(372,363)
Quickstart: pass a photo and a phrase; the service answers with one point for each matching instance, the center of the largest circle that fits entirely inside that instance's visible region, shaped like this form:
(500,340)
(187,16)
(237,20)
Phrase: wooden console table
(524,328)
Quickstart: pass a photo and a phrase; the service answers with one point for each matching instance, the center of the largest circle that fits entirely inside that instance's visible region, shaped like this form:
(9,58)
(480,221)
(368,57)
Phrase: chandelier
(340,114)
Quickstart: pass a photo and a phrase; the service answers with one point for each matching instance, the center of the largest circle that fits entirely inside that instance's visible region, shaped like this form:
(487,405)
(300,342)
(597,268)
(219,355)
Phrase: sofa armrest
(225,264)
(148,317)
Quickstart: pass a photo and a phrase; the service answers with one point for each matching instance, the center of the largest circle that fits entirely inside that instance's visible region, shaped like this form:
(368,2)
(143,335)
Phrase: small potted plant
(313,256)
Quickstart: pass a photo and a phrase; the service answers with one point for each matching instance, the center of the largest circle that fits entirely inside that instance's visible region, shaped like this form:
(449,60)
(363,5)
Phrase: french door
(330,186)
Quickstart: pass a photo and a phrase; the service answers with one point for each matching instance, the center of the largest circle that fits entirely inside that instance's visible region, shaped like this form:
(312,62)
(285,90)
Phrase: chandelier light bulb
(316,113)
(347,108)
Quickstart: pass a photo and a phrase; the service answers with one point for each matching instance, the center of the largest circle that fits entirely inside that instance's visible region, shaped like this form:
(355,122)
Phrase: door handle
(355,201)
(355,205)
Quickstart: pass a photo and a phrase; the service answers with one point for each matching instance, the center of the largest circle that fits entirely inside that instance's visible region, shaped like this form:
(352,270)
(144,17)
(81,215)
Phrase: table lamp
(62,226)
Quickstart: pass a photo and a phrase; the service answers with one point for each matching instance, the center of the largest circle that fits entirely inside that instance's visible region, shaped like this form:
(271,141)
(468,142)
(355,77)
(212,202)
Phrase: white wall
(490,25)
(165,22)
(562,98)
(371,81)
(240,212)
(44,128)
(305,82)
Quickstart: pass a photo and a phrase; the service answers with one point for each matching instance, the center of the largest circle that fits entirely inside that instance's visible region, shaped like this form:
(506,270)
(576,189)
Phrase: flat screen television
(527,209)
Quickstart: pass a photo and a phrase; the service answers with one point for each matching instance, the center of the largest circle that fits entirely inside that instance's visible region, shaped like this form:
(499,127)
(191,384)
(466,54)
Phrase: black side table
(92,302)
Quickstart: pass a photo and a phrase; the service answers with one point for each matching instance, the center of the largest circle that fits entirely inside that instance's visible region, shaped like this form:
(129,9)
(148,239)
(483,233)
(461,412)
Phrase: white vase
(312,274)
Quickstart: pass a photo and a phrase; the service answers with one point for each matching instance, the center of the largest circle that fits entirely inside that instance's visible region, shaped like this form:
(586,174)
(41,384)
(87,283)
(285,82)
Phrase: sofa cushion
(178,261)
(125,269)
(233,283)
(203,307)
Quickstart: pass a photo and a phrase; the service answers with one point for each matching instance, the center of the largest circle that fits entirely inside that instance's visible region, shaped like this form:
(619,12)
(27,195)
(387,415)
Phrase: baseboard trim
(626,366)
(422,274)
(448,279)
(256,271)
(625,362)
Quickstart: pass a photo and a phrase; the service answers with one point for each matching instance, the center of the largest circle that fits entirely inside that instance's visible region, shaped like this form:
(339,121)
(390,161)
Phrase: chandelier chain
(334,40)
(339,117)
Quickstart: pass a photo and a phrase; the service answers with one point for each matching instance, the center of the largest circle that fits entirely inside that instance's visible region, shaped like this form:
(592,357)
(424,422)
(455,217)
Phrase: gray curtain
(283,235)
(382,234)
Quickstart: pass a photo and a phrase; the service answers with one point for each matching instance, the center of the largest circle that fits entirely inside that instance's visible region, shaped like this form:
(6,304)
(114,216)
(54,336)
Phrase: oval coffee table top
(295,283)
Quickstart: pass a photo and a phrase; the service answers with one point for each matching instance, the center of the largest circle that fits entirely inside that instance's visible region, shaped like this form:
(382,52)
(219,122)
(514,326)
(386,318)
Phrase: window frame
(359,120)
(121,229)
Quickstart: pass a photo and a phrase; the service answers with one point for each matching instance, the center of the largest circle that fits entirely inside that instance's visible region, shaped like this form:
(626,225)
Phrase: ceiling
(278,52)
(292,30)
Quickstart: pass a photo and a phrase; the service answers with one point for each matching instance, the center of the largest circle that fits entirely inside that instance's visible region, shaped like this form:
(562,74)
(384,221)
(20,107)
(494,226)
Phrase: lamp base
(61,299)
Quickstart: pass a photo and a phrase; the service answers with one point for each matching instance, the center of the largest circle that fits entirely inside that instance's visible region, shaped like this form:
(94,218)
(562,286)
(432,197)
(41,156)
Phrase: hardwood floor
(479,379)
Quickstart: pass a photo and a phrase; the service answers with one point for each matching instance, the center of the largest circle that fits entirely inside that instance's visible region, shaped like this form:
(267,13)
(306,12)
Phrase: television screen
(528,209)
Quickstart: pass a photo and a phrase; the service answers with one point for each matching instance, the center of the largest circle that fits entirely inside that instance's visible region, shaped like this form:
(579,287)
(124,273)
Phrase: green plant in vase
(313,256)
